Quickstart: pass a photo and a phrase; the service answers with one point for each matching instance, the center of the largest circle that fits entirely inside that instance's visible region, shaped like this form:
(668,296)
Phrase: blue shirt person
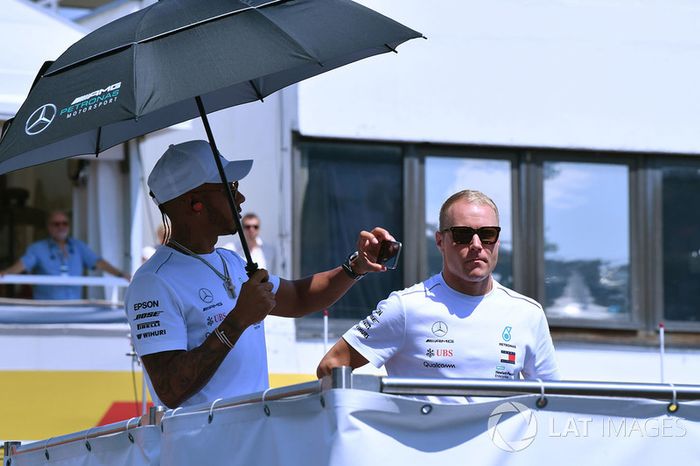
(59,254)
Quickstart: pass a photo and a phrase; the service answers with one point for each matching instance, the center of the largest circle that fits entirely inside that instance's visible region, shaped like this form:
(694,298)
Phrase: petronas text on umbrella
(93,99)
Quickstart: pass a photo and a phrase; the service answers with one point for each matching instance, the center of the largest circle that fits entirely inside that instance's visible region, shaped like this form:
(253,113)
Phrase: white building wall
(612,75)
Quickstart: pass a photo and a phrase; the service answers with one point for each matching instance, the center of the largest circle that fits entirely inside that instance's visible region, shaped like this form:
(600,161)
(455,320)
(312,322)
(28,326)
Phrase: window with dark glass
(348,188)
(680,242)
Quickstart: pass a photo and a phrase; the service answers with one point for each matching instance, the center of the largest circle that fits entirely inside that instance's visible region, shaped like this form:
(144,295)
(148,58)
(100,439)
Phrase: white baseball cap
(186,166)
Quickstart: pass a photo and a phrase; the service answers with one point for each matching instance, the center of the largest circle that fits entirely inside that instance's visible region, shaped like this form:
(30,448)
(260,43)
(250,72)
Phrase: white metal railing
(114,283)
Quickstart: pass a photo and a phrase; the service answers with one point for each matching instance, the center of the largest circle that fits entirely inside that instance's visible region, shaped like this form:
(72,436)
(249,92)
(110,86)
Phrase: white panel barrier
(333,424)
(133,447)
(364,428)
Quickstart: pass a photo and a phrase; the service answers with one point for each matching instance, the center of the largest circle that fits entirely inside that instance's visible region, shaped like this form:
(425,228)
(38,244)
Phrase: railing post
(8,449)
(341,377)
(155,413)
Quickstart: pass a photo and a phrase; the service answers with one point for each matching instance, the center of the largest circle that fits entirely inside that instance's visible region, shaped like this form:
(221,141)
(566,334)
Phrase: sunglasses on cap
(465,235)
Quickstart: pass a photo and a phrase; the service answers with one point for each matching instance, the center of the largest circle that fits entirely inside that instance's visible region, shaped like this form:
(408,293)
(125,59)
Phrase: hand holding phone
(389,252)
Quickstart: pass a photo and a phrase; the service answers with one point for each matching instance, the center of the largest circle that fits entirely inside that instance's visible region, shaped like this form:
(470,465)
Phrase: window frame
(536,161)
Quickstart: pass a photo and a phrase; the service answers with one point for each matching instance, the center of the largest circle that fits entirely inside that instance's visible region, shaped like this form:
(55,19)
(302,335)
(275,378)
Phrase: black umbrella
(179,59)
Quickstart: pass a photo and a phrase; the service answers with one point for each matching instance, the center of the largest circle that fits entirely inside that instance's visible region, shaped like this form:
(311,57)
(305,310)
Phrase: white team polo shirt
(431,330)
(175,302)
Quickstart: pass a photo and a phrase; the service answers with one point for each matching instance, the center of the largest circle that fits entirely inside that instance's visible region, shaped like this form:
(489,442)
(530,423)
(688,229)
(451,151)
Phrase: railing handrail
(289,391)
(501,388)
(108,429)
(27,279)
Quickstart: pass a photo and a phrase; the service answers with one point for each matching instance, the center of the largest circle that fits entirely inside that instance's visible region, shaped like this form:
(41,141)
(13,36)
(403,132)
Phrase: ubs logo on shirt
(440,352)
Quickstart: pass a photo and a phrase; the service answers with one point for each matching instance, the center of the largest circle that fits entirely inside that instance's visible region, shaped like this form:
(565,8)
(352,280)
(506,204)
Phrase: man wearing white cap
(196,318)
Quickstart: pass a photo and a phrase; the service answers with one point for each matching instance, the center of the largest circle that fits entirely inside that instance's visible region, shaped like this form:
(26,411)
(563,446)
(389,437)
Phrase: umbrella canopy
(143,72)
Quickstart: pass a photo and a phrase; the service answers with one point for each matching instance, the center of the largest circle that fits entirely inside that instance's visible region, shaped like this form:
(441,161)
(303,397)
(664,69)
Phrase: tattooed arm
(177,375)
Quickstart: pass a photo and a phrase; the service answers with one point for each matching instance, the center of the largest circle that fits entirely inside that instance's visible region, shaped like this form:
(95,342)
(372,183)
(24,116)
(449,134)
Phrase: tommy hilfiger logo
(507,357)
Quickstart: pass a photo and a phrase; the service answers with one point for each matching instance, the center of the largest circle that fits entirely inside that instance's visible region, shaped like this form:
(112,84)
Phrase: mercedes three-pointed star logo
(206,295)
(40,119)
(439,329)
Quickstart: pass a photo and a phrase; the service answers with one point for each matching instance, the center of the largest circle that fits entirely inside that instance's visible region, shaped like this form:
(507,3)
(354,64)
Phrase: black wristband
(347,267)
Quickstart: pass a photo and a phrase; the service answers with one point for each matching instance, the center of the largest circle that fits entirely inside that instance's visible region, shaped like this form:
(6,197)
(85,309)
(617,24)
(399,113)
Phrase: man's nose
(476,243)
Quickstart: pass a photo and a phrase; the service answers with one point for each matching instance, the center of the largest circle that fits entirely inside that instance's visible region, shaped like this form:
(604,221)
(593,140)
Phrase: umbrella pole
(251,266)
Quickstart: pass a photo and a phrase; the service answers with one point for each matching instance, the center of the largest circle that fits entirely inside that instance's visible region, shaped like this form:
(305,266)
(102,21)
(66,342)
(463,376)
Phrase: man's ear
(438,239)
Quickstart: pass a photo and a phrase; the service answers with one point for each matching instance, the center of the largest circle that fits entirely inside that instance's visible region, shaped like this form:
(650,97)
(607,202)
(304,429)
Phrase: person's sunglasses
(222,188)
(59,224)
(465,235)
(251,227)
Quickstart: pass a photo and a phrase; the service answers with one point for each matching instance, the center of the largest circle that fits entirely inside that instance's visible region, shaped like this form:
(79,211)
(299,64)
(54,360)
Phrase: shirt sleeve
(87,255)
(542,362)
(381,334)
(30,257)
(155,316)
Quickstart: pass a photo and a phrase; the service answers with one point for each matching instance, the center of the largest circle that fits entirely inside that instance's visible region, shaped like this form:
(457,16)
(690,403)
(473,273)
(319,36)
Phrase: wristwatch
(347,267)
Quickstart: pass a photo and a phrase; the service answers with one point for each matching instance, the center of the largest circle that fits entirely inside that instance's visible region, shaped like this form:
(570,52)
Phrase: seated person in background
(460,323)
(59,254)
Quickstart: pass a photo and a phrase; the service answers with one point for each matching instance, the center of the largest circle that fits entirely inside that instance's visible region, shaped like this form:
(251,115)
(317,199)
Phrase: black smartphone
(389,252)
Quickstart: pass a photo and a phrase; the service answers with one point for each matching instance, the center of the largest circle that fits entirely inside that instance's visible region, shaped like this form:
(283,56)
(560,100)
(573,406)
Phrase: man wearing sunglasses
(60,254)
(460,323)
(197,319)
(262,253)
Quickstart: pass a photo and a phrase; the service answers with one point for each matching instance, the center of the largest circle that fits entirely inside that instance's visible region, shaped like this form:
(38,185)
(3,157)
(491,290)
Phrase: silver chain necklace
(225,277)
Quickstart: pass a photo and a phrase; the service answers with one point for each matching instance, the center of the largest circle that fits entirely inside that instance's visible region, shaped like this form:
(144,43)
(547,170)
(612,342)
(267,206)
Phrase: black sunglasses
(465,235)
(219,189)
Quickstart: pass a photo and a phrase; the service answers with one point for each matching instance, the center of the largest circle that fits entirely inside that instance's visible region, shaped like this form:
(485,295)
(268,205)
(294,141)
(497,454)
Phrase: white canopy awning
(29,35)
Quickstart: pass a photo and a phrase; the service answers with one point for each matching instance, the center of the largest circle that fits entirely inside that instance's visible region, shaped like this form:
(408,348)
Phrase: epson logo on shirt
(146,305)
